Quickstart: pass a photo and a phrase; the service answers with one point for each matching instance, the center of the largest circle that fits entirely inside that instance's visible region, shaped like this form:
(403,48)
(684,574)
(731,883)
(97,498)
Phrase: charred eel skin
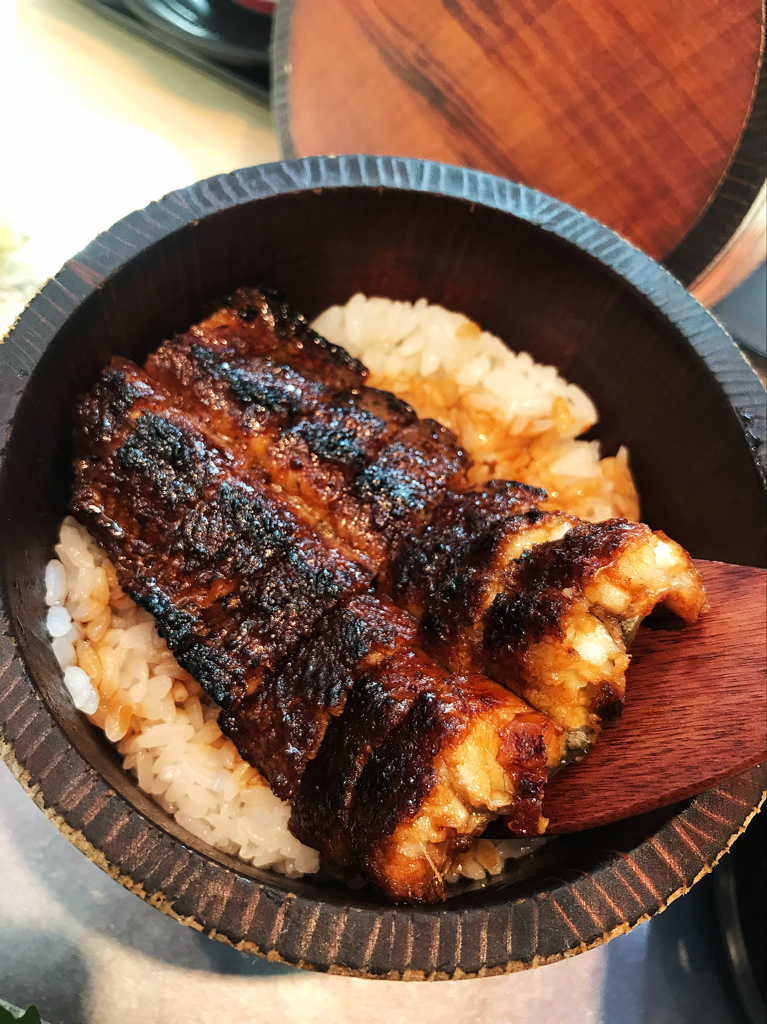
(322,683)
(498,585)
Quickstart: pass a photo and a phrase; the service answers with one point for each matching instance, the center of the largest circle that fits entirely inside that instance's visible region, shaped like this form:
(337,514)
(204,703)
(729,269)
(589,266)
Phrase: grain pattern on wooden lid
(631,112)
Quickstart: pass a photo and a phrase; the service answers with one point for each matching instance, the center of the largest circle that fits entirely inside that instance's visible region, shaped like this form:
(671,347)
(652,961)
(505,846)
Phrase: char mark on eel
(545,604)
(322,682)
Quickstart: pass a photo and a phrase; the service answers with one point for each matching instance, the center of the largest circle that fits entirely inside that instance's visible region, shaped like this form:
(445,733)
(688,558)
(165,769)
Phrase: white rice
(518,419)
(412,340)
(119,671)
(121,674)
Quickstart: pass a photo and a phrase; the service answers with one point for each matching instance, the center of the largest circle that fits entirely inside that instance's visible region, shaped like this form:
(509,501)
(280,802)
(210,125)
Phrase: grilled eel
(540,601)
(391,764)
(296,407)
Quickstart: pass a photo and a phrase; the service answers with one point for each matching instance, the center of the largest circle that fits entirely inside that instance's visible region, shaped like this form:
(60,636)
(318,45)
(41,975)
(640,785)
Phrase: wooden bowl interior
(537,292)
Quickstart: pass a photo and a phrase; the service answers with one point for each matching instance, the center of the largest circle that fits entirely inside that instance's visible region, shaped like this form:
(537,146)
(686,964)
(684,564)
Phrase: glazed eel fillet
(297,408)
(391,763)
(540,601)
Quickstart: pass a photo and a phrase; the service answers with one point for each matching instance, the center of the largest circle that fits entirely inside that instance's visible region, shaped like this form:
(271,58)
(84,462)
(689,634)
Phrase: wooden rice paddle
(695,712)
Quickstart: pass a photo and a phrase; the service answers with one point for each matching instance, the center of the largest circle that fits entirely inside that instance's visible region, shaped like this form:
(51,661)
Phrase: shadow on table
(672,970)
(224,960)
(46,970)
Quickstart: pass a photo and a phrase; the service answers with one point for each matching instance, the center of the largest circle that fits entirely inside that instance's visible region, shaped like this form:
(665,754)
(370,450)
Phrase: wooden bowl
(666,378)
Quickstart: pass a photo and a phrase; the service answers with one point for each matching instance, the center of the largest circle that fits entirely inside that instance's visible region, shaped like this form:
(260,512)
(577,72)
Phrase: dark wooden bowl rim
(279,920)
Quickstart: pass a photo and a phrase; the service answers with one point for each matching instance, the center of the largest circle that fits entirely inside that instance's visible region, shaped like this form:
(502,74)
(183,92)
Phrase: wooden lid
(631,112)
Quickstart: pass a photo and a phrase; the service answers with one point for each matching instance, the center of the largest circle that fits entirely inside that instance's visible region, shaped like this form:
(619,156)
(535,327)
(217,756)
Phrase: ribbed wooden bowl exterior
(82,790)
